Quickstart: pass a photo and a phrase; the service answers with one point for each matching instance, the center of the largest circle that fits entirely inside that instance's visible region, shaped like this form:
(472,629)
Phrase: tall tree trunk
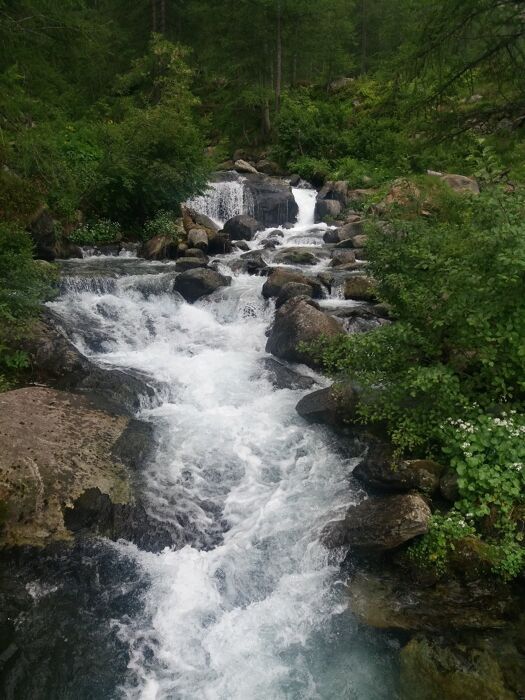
(364,36)
(266,122)
(163,16)
(279,66)
(153,15)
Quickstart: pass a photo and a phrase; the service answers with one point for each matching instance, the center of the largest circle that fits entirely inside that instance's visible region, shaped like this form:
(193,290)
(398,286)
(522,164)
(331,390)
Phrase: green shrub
(164,223)
(99,232)
(24,284)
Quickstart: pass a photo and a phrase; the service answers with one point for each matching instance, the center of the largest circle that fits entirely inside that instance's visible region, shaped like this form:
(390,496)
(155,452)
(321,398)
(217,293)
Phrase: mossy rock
(430,671)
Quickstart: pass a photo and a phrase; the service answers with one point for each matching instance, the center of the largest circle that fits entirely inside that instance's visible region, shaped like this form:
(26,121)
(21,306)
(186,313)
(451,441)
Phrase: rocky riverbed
(186,510)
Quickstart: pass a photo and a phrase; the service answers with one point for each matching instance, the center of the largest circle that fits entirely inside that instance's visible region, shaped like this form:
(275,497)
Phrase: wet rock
(293,289)
(332,406)
(380,524)
(273,200)
(242,227)
(201,221)
(159,248)
(242,166)
(295,256)
(270,243)
(294,179)
(347,232)
(43,233)
(296,322)
(283,377)
(195,253)
(449,486)
(360,288)
(381,470)
(195,284)
(342,257)
(326,208)
(55,446)
(360,241)
(251,263)
(198,238)
(187,263)
(334,190)
(219,243)
(268,167)
(281,276)
(431,670)
(276,233)
(241,245)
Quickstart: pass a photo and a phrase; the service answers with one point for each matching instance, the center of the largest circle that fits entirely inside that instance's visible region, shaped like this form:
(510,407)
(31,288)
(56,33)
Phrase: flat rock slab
(54,446)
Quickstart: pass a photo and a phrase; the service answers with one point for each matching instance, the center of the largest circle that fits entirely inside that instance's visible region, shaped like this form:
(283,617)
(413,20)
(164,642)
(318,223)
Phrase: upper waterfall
(223,200)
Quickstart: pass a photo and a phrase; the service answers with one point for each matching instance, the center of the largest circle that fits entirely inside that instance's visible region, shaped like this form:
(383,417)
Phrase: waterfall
(222,200)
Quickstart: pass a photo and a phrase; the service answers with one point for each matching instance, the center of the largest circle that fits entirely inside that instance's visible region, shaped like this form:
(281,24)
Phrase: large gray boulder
(194,284)
(198,238)
(296,322)
(380,524)
(242,227)
(295,256)
(273,200)
(327,208)
(281,276)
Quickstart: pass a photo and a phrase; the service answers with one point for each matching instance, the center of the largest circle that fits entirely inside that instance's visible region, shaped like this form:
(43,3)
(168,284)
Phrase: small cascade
(223,200)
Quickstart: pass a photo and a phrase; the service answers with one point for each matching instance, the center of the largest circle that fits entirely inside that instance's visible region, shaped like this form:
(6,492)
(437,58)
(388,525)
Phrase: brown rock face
(159,248)
(282,276)
(54,447)
(360,288)
(380,524)
(299,321)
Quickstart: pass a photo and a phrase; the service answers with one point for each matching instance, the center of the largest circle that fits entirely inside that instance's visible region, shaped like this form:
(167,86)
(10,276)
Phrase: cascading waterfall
(252,607)
(223,200)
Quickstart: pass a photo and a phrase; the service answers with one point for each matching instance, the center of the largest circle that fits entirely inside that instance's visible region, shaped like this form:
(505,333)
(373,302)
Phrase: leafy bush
(444,531)
(99,232)
(164,223)
(24,284)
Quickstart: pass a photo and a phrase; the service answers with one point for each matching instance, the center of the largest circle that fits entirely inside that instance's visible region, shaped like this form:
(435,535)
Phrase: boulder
(360,241)
(448,486)
(392,599)
(242,227)
(43,233)
(251,263)
(283,377)
(241,245)
(336,190)
(293,289)
(360,288)
(461,184)
(436,670)
(294,179)
(299,321)
(327,208)
(273,200)
(194,284)
(195,253)
(330,406)
(198,238)
(187,263)
(380,524)
(242,166)
(281,276)
(219,243)
(348,231)
(159,248)
(295,256)
(268,167)
(342,257)
(191,219)
(55,445)
(381,470)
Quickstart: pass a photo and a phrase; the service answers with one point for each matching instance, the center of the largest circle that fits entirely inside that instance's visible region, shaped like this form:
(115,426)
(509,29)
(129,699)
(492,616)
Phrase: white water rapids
(259,613)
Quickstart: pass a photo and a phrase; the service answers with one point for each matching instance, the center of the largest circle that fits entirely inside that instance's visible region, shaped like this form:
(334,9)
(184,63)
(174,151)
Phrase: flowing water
(253,607)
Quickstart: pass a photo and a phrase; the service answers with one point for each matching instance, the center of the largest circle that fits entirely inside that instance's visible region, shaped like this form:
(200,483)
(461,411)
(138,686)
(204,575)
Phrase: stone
(380,524)
(198,238)
(273,200)
(251,263)
(187,263)
(327,208)
(283,377)
(461,183)
(342,257)
(295,256)
(219,243)
(55,445)
(340,84)
(381,470)
(242,227)
(360,241)
(43,233)
(268,167)
(294,179)
(241,245)
(337,190)
(348,231)
(293,289)
(242,166)
(360,288)
(159,248)
(194,284)
(333,406)
(448,486)
(433,670)
(195,253)
(299,321)
(282,276)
